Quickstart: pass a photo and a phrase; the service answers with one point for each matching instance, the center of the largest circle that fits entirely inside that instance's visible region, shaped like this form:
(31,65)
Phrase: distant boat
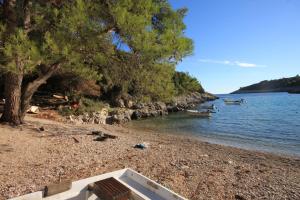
(233,102)
(198,113)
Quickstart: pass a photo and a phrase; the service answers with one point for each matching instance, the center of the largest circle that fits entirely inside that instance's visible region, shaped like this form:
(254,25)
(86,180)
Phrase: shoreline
(195,169)
(128,110)
(213,141)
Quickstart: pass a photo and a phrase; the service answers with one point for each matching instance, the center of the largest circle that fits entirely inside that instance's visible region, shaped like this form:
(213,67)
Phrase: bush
(185,83)
(85,106)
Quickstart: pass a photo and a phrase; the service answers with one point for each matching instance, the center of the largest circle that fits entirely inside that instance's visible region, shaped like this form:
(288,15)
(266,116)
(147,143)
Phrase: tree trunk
(17,101)
(12,94)
(32,87)
(13,81)
(16,14)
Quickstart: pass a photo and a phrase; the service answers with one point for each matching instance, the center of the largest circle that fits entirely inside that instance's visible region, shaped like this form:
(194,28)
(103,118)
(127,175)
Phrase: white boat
(140,187)
(233,102)
(198,113)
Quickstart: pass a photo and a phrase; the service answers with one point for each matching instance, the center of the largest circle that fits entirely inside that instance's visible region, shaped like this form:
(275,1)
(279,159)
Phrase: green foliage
(152,29)
(21,54)
(153,32)
(86,38)
(185,83)
(86,106)
(154,83)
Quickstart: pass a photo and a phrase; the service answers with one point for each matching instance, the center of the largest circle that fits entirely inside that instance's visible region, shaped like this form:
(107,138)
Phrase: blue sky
(241,42)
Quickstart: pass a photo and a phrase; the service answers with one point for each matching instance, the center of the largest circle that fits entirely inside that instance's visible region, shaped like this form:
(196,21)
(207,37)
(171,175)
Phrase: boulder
(103,112)
(99,117)
(118,119)
(85,117)
(121,116)
(120,103)
(136,115)
(154,113)
(160,106)
(129,104)
(138,106)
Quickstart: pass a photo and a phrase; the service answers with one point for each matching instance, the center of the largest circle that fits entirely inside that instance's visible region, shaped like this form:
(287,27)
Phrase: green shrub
(86,105)
(185,83)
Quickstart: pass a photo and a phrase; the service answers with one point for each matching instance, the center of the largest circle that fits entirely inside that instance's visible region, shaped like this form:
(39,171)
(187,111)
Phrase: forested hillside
(291,85)
(124,47)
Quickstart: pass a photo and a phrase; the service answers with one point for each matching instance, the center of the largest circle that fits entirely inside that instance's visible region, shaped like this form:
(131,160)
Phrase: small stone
(184,167)
(230,162)
(140,146)
(70,117)
(239,197)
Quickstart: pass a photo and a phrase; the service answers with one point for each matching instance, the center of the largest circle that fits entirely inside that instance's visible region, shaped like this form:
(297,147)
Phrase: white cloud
(232,63)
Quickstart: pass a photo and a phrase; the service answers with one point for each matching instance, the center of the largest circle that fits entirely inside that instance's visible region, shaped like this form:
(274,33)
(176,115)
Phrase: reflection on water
(266,122)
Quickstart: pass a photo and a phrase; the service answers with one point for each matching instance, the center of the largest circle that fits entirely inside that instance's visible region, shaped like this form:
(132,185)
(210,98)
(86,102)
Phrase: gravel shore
(31,158)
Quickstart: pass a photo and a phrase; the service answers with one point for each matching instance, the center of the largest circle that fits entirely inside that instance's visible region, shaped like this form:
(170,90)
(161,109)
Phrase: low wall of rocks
(137,111)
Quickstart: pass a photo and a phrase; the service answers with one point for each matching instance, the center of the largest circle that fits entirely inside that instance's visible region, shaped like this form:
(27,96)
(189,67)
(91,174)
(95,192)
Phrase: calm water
(266,122)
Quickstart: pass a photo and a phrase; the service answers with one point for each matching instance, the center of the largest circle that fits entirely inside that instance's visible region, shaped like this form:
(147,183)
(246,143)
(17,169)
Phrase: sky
(241,42)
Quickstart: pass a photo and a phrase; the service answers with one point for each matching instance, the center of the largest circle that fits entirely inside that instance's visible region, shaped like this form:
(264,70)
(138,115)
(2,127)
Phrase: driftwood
(100,138)
(100,133)
(61,97)
(75,140)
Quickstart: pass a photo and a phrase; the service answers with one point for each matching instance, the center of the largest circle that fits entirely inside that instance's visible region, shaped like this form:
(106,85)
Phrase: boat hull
(233,103)
(142,188)
(199,114)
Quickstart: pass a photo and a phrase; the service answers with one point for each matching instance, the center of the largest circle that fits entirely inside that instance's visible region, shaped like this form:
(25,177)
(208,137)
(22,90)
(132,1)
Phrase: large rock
(128,103)
(120,103)
(86,117)
(99,117)
(142,113)
(138,106)
(189,101)
(209,97)
(137,115)
(121,116)
(161,106)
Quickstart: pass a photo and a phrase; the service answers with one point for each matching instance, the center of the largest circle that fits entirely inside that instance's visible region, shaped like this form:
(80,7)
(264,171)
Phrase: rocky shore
(128,110)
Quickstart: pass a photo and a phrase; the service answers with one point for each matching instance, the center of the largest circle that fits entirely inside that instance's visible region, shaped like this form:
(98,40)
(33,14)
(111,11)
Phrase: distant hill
(291,85)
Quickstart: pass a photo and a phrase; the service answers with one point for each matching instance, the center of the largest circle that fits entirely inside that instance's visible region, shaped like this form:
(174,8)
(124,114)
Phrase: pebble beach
(32,158)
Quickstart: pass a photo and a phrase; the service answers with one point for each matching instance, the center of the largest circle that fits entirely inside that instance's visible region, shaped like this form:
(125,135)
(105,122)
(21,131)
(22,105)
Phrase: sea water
(265,122)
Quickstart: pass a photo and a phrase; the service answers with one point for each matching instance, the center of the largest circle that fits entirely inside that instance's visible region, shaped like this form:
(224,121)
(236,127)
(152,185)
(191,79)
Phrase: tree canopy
(131,45)
(185,83)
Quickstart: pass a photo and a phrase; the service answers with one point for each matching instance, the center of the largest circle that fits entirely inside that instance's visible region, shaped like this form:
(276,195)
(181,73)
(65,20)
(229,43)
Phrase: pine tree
(39,38)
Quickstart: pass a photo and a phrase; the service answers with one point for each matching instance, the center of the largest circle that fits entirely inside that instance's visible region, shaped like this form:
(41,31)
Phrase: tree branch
(32,87)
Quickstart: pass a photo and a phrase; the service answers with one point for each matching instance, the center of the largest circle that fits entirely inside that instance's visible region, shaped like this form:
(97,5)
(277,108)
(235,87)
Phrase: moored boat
(233,102)
(198,113)
(124,184)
